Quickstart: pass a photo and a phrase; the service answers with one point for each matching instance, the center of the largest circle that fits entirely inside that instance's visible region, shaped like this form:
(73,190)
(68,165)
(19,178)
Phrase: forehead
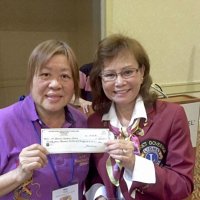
(59,62)
(121,60)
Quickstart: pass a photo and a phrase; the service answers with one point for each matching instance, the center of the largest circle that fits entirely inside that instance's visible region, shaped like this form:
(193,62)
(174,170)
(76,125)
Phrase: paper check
(75,140)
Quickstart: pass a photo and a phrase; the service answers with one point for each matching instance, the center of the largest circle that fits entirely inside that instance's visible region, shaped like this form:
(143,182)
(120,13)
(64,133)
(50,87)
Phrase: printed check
(75,140)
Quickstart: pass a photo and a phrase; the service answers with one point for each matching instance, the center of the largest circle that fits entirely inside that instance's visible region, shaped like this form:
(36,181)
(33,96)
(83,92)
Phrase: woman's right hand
(31,158)
(85,105)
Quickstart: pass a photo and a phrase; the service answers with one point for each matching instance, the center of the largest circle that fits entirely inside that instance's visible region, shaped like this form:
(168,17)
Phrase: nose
(55,84)
(119,80)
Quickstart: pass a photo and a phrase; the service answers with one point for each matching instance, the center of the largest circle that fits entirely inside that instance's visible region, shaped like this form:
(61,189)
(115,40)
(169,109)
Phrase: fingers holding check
(122,150)
(33,157)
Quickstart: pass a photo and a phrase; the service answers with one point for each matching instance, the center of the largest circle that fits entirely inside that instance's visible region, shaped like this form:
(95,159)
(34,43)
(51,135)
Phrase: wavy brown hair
(108,49)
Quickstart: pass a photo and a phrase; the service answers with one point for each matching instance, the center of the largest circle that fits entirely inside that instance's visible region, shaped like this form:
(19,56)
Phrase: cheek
(107,88)
(139,80)
(69,88)
(139,83)
(36,93)
(104,87)
(38,87)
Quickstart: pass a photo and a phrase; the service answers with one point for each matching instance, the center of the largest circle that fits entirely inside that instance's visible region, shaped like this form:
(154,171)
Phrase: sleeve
(95,191)
(175,177)
(144,171)
(4,139)
(3,154)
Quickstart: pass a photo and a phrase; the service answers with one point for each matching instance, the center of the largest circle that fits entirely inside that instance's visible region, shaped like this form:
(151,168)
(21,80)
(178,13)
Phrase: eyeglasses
(108,76)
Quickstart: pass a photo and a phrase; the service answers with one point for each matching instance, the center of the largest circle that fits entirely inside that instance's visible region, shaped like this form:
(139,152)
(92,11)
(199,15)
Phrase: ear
(142,70)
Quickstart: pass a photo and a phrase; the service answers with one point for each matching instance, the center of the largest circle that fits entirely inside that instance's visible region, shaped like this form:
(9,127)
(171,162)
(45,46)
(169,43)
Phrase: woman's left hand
(122,150)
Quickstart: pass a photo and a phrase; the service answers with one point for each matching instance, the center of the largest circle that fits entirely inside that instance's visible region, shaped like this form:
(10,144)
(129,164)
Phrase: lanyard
(51,161)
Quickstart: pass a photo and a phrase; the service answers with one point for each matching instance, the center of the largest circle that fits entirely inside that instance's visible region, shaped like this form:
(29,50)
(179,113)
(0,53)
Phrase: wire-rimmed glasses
(108,76)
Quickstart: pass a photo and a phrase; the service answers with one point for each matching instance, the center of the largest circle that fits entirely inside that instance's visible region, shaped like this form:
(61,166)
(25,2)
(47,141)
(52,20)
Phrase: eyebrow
(123,68)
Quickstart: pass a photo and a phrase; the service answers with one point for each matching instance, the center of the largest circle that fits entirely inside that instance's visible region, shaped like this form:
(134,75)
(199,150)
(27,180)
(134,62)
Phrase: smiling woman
(25,164)
(151,156)
(52,89)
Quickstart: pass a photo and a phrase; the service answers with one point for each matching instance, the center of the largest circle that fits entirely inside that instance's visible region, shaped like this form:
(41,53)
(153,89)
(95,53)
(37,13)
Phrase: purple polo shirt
(19,125)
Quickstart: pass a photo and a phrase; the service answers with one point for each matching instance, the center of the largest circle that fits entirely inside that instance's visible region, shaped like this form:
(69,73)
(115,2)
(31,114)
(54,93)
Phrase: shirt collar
(139,111)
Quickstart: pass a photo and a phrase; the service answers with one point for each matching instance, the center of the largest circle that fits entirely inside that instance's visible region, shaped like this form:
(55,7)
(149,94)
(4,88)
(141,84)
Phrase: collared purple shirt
(19,128)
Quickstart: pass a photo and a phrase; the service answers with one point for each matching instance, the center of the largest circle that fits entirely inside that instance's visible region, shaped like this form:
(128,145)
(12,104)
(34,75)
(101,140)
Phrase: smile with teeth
(121,91)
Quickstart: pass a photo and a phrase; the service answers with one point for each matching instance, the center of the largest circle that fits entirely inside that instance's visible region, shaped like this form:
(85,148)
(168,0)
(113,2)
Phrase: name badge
(66,193)
(75,140)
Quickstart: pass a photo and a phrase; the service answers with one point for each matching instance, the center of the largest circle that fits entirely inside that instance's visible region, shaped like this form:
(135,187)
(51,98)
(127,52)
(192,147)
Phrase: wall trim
(181,88)
(103,18)
(12,83)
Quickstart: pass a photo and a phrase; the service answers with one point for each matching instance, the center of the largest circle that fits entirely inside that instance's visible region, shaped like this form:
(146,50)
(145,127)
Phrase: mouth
(53,97)
(121,91)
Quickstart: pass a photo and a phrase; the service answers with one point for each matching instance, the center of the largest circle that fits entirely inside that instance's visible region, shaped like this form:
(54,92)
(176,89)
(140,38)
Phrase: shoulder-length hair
(108,49)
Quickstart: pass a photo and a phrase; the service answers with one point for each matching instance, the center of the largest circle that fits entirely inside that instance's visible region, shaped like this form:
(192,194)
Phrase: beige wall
(24,24)
(169,31)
